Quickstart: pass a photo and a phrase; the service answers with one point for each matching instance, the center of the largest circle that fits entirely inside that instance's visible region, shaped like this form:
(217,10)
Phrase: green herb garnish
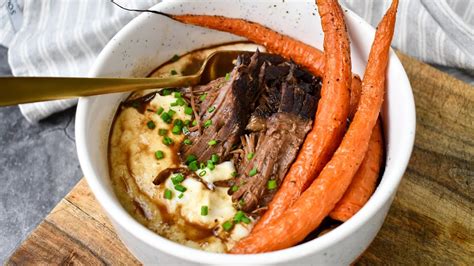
(166,92)
(160,110)
(162,132)
(188,110)
(271,184)
(193,166)
(204,210)
(176,130)
(159,155)
(210,165)
(180,188)
(174,58)
(177,178)
(167,141)
(215,158)
(227,225)
(208,123)
(191,158)
(253,171)
(168,194)
(151,124)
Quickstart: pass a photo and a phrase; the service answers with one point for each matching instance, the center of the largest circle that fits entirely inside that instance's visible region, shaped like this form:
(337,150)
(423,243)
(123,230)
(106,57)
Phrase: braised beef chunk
(258,118)
(279,124)
(232,107)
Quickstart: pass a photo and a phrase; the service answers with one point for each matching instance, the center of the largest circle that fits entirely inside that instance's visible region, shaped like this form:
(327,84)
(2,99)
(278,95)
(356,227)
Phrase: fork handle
(16,90)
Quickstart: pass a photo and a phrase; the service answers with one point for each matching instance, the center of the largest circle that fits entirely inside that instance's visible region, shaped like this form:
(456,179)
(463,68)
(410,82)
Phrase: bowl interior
(150,40)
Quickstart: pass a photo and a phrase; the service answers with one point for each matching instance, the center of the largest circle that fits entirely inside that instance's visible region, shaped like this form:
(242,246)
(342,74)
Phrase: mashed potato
(194,217)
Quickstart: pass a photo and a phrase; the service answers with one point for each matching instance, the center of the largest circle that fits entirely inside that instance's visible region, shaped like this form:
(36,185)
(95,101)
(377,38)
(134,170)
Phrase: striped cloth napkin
(63,37)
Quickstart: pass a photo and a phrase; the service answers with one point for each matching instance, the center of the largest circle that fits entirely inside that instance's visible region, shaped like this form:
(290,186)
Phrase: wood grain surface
(430,222)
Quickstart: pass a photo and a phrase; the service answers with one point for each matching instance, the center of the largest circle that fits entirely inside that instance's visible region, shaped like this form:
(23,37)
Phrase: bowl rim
(383,193)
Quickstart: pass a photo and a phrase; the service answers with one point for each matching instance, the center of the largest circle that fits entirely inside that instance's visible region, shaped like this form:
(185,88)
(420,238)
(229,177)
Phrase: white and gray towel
(63,37)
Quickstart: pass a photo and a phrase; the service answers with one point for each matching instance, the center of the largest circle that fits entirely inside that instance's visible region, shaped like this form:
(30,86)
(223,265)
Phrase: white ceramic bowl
(150,39)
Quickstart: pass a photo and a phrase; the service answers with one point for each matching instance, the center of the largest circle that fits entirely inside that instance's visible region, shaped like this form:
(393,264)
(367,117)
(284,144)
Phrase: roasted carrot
(364,182)
(355,91)
(321,197)
(301,53)
(331,116)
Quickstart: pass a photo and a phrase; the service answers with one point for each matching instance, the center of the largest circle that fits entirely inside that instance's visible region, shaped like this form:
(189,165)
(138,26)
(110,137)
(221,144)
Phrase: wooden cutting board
(430,222)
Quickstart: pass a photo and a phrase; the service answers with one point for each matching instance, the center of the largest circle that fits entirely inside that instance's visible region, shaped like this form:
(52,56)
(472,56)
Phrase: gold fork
(16,90)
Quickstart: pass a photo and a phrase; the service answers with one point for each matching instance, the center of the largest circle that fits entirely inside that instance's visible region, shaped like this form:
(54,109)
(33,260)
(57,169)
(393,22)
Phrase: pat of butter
(218,202)
(222,171)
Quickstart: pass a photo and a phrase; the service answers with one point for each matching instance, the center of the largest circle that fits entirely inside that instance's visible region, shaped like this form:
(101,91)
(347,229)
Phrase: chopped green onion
(166,92)
(162,132)
(180,188)
(253,171)
(250,155)
(174,104)
(174,58)
(194,123)
(177,94)
(227,76)
(203,97)
(187,142)
(186,131)
(238,216)
(272,184)
(234,174)
(210,165)
(177,178)
(215,158)
(193,166)
(202,173)
(151,124)
(173,72)
(171,112)
(204,210)
(202,165)
(246,220)
(166,117)
(241,202)
(176,130)
(159,155)
(188,110)
(234,188)
(168,194)
(211,109)
(180,195)
(187,122)
(208,123)
(160,110)
(178,122)
(212,142)
(227,225)
(180,102)
(167,141)
(191,158)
